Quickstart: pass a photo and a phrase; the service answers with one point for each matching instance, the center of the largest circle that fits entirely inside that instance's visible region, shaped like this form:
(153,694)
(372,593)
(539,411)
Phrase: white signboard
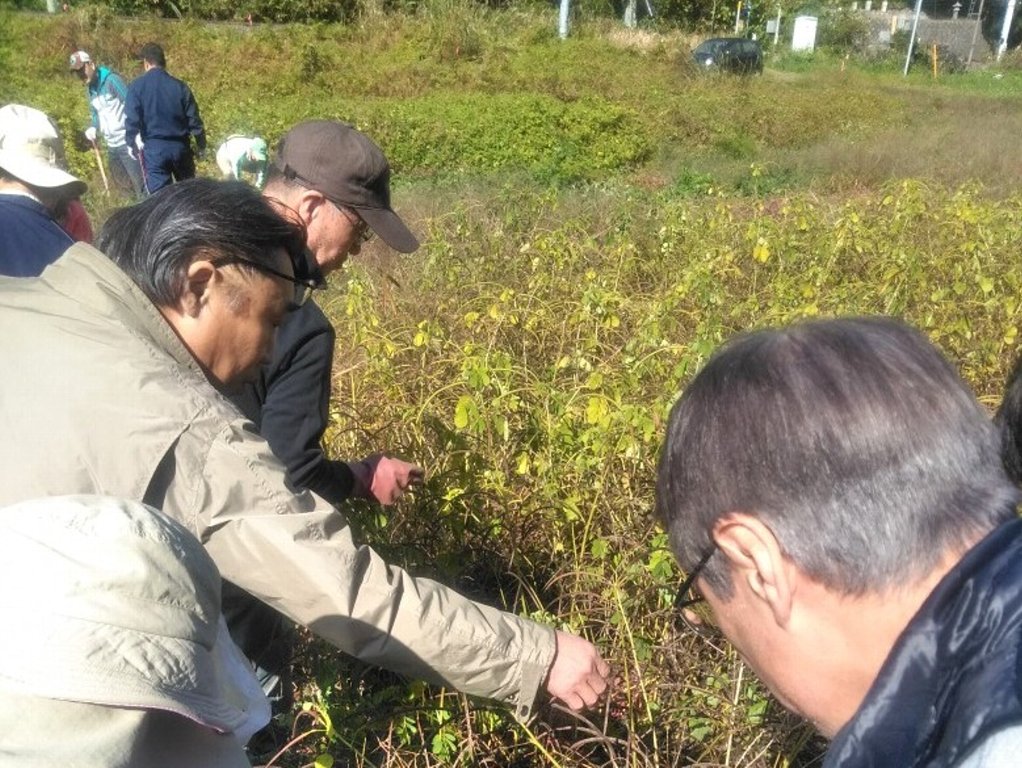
(803,37)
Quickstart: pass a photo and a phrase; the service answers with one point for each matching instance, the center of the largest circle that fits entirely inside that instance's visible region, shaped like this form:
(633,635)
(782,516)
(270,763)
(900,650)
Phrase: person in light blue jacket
(107,92)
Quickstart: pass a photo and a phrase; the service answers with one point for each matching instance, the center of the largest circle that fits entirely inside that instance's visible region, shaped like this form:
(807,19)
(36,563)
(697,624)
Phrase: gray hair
(853,439)
(156,240)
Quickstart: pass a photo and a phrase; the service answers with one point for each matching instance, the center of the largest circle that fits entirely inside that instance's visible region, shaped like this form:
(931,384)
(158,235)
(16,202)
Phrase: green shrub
(845,30)
(533,134)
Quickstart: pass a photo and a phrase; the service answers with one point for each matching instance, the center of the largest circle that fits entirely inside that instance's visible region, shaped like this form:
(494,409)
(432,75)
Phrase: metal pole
(562,27)
(777,29)
(738,16)
(975,34)
(1009,14)
(912,37)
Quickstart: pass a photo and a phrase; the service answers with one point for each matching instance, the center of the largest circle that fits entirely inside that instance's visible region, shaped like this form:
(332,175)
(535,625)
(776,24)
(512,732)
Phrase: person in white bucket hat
(114,637)
(34,192)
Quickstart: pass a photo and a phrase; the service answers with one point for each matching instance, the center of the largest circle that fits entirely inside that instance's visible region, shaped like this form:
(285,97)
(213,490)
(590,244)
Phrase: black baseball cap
(346,167)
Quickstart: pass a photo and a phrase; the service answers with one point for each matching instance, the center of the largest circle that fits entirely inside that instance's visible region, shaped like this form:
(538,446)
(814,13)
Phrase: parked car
(729,54)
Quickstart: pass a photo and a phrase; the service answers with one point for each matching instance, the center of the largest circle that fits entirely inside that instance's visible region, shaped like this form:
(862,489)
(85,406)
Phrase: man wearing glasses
(115,365)
(836,494)
(336,182)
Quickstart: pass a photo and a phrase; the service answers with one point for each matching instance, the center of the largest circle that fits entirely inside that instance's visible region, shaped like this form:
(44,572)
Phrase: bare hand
(578,675)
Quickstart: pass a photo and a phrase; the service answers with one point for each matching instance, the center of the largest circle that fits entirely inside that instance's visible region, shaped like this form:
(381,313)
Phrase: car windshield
(711,47)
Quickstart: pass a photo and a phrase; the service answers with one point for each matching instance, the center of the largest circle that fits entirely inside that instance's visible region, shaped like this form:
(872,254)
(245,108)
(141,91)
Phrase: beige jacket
(98,395)
(115,640)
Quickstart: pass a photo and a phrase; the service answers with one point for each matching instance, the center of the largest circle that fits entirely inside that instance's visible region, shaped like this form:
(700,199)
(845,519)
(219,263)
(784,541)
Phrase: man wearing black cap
(337,181)
(160,111)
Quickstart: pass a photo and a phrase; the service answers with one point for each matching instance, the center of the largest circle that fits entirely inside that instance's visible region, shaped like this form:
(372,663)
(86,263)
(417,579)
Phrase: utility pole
(912,37)
(1009,14)
(629,19)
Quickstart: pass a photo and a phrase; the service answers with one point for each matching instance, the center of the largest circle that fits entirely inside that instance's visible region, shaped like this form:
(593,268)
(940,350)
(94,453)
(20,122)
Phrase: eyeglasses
(303,286)
(362,229)
(691,606)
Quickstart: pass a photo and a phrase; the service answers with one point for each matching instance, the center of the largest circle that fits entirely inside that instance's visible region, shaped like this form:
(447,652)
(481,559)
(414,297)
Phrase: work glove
(384,479)
(132,153)
(90,134)
(200,154)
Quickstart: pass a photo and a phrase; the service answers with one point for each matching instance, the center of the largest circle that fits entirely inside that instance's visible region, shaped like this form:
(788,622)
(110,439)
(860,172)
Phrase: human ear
(310,205)
(757,559)
(199,280)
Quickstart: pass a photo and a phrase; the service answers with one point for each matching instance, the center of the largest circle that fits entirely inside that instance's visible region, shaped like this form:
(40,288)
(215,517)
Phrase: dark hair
(153,54)
(1009,421)
(155,240)
(853,439)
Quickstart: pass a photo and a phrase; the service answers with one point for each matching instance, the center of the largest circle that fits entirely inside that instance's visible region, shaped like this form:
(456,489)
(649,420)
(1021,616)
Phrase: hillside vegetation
(595,220)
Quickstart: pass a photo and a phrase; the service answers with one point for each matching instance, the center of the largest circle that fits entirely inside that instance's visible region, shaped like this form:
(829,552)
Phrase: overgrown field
(595,222)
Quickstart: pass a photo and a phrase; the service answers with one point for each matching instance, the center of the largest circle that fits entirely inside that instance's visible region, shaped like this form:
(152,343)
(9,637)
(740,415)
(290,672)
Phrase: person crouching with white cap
(114,652)
(33,190)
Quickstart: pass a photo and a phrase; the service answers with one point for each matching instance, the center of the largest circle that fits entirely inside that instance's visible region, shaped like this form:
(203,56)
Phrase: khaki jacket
(114,632)
(100,396)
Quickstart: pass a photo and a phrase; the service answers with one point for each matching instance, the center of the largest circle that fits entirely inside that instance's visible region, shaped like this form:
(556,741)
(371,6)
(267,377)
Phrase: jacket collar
(87,276)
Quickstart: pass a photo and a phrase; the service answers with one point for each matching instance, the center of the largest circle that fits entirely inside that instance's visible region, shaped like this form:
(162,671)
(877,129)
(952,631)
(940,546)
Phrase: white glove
(133,153)
(90,134)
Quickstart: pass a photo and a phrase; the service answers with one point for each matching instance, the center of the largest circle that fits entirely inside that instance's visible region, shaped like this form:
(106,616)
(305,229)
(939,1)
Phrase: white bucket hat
(110,602)
(28,150)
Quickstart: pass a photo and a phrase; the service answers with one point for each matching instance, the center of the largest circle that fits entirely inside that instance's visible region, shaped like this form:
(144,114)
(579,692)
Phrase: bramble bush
(529,355)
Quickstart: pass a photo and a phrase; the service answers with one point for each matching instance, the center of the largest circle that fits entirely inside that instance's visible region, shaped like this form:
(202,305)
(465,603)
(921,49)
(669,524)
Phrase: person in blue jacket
(34,192)
(161,117)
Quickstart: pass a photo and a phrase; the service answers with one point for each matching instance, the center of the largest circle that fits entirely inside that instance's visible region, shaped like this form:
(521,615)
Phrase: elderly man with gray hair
(834,491)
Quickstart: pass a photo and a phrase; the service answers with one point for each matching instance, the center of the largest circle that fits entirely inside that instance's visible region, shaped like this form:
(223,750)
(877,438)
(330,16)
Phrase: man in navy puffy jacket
(834,491)
(162,114)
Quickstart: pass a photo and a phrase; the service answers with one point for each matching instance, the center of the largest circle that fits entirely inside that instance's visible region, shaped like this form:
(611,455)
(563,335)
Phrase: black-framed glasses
(362,228)
(304,286)
(692,607)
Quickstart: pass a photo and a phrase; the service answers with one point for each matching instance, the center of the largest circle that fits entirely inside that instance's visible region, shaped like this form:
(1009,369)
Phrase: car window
(712,47)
